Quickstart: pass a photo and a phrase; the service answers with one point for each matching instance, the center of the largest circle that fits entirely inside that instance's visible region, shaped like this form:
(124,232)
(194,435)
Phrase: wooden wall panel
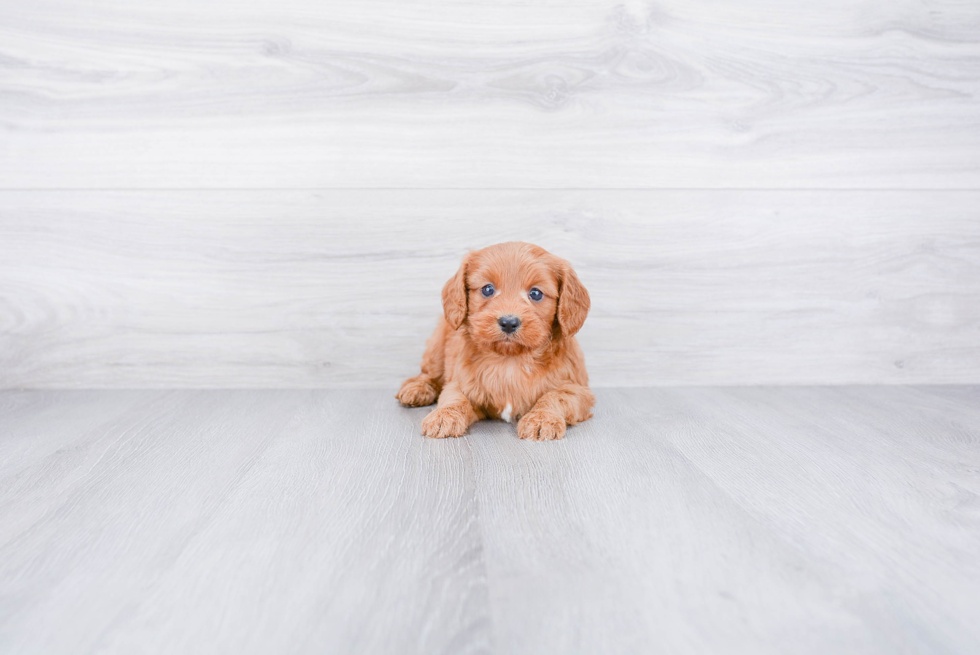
(271,193)
(465,94)
(341,288)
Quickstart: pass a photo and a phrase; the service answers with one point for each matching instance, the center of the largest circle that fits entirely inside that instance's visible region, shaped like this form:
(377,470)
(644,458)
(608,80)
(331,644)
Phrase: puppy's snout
(509,323)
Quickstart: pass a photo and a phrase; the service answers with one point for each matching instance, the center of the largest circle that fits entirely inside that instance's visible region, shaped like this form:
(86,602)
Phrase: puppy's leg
(452,416)
(424,389)
(567,405)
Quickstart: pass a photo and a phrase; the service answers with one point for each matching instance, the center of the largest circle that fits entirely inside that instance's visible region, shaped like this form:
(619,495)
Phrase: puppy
(505,347)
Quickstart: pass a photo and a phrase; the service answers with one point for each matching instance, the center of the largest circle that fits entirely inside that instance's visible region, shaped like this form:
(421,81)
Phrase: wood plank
(35,425)
(886,483)
(245,522)
(468,94)
(341,288)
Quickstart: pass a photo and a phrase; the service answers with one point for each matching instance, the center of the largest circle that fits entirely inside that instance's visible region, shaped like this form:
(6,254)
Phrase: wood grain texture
(237,522)
(464,94)
(752,520)
(341,288)
(757,520)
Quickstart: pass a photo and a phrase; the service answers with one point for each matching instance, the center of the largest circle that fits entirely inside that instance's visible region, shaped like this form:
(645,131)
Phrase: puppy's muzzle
(509,323)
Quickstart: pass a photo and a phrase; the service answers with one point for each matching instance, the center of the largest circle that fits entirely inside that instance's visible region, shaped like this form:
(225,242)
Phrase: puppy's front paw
(417,392)
(444,422)
(538,425)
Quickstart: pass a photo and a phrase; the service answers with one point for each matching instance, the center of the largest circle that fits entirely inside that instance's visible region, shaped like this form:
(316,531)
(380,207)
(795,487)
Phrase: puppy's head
(515,297)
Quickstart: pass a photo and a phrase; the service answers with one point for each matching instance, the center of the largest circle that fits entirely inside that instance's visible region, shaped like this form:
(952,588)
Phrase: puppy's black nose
(509,323)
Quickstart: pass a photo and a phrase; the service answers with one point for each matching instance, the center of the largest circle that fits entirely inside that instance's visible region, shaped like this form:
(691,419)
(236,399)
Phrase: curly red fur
(476,370)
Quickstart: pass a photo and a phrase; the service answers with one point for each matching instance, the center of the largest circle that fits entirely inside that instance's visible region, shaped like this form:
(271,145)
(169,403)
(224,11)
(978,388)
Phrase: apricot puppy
(505,346)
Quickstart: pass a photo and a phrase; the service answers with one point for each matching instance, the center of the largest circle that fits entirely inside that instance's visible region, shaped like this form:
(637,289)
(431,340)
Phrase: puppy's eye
(535,294)
(487,291)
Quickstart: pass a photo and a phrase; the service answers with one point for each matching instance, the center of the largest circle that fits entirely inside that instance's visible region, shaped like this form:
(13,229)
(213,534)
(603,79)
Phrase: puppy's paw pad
(416,392)
(541,426)
(444,422)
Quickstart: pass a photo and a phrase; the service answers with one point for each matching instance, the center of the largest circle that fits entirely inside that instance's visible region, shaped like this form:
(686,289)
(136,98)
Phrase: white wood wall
(271,193)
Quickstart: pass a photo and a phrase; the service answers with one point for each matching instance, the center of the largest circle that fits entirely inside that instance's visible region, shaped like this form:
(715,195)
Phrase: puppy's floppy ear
(455,296)
(573,300)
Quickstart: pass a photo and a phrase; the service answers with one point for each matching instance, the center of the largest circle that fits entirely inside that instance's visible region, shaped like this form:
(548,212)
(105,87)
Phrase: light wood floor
(708,520)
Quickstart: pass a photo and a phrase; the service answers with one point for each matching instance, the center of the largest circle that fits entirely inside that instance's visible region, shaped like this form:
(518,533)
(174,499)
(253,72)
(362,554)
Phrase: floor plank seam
(478,518)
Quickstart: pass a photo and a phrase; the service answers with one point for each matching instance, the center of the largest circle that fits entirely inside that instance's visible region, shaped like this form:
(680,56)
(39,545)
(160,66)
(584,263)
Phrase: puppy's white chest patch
(505,414)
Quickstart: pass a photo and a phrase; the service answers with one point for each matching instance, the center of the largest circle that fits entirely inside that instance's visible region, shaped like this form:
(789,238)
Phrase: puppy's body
(480,366)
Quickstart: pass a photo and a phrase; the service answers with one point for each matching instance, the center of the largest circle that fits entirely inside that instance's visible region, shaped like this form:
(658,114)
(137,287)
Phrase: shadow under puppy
(505,347)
